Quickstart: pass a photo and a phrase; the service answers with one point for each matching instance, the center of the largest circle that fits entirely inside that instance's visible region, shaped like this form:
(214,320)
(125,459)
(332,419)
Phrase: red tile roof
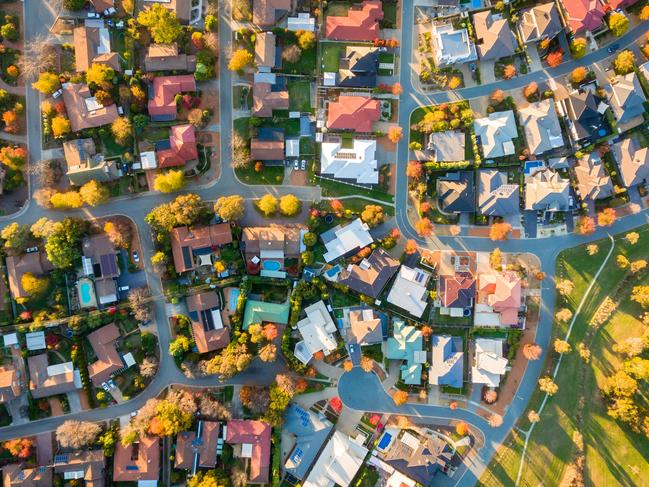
(504,294)
(132,467)
(359,24)
(183,147)
(165,89)
(185,447)
(584,14)
(456,289)
(267,150)
(257,434)
(353,113)
(210,339)
(196,239)
(108,358)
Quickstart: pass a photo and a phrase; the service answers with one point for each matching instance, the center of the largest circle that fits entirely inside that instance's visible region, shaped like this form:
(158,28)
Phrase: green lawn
(307,146)
(269,175)
(337,188)
(612,450)
(330,55)
(340,299)
(389,15)
(241,97)
(305,65)
(299,95)
(356,205)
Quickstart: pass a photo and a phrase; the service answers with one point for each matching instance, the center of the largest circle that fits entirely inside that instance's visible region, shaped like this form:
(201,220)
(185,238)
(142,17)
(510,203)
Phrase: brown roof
(139,461)
(108,358)
(268,12)
(633,161)
(165,57)
(267,150)
(100,249)
(265,49)
(365,326)
(495,38)
(42,384)
(19,475)
(206,336)
(101,5)
(82,112)
(18,266)
(9,383)
(264,100)
(91,462)
(206,448)
(592,180)
(86,49)
(185,242)
(78,151)
(370,276)
(273,238)
(257,435)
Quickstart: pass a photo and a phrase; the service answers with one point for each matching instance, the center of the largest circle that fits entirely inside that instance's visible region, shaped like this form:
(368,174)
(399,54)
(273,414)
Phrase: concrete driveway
(487,74)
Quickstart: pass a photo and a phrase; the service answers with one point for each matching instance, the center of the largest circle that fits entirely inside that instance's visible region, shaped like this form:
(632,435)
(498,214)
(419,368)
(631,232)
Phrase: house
(269,96)
(266,13)
(88,465)
(407,344)
(50,380)
(495,38)
(342,241)
(451,46)
(251,441)
(370,276)
(197,448)
(265,51)
(356,113)
(410,290)
(318,333)
(593,183)
(584,118)
(447,146)
(99,261)
(356,164)
(268,248)
(338,462)
(499,299)
(85,164)
(539,22)
(92,46)
(101,5)
(489,364)
(193,247)
(360,24)
(84,111)
(447,365)
(496,134)
(265,312)
(137,462)
(303,21)
(19,475)
(268,149)
(632,160)
(109,361)
(627,100)
(162,95)
(35,263)
(9,383)
(541,125)
(309,431)
(365,327)
(455,293)
(582,15)
(496,196)
(165,57)
(179,149)
(207,325)
(358,67)
(456,192)
(546,190)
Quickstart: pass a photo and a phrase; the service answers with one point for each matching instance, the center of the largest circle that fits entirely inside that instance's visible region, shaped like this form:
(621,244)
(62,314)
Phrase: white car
(296,165)
(105,387)
(57,93)
(110,11)
(303,165)
(94,15)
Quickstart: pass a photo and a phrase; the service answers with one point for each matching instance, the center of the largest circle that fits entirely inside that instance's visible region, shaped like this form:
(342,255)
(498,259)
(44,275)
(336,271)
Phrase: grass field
(299,96)
(612,451)
(330,56)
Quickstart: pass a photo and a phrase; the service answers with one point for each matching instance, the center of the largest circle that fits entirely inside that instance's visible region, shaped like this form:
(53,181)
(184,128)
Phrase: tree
(584,352)
(179,346)
(367,364)
(495,420)
(640,294)
(500,231)
(397,89)
(241,59)
(620,384)
(93,193)
(547,385)
(47,83)
(592,249)
(210,478)
(267,205)
(624,62)
(532,351)
(306,39)
(289,205)
(348,365)
(38,56)
(509,71)
(638,265)
(618,23)
(531,90)
(119,233)
(632,237)
(415,170)
(336,206)
(11,122)
(292,54)
(100,74)
(411,247)
(585,225)
(122,130)
(491,396)
(533,417)
(268,353)
(307,257)
(395,134)
(60,126)
(255,398)
(211,408)
(170,181)
(400,397)
(170,419)
(555,58)
(454,82)
(148,367)
(624,409)
(33,285)
(310,239)
(424,227)
(578,47)
(230,208)
(497,96)
(19,447)
(42,228)
(15,236)
(138,300)
(622,261)
(562,346)
(162,23)
(564,314)
(565,287)
(77,434)
(644,13)
(606,217)
(373,215)
(578,75)
(462,428)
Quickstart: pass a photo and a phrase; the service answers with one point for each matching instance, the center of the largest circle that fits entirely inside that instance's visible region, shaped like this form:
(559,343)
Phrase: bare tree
(138,299)
(212,408)
(238,477)
(148,367)
(49,172)
(255,398)
(39,55)
(77,434)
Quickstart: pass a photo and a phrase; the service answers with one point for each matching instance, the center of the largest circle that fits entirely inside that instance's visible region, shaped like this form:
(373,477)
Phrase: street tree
(240,60)
(618,23)
(562,346)
(230,208)
(555,58)
(585,225)
(92,193)
(424,227)
(47,83)
(170,181)
(42,228)
(119,233)
(415,170)
(547,385)
(532,351)
(289,205)
(578,75)
(606,217)
(77,434)
(400,397)
(139,301)
(624,62)
(267,205)
(395,134)
(500,231)
(578,47)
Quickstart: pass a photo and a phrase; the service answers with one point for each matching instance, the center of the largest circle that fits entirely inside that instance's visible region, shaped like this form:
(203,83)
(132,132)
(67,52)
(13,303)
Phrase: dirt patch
(83,399)
(484,232)
(298,178)
(385,144)
(392,181)
(210,100)
(150,177)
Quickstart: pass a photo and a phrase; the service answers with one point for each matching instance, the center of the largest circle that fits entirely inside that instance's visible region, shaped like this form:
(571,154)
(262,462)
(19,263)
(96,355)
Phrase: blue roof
(311,432)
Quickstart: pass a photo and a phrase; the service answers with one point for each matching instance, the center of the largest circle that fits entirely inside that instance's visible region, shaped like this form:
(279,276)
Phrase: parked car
(105,387)
(57,93)
(94,15)
(303,165)
(123,289)
(136,257)
(613,48)
(31,250)
(296,165)
(110,11)
(352,348)
(111,383)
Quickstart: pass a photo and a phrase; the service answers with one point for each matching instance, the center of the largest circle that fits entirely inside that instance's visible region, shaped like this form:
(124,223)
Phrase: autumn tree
(509,71)
(637,266)
(497,96)
(622,261)
(101,75)
(564,314)
(209,478)
(395,134)
(289,205)
(367,364)
(19,447)
(578,75)
(34,286)
(533,417)
(411,247)
(578,47)
(255,398)
(415,170)
(565,287)
(547,385)
(210,407)
(400,397)
(495,420)
(424,227)
(241,59)
(170,181)
(532,351)
(38,56)
(148,367)
(500,231)
(267,205)
(179,346)
(462,428)
(632,237)
(47,83)
(15,236)
(268,353)
(397,89)
(60,126)
(230,208)
(454,82)
(620,384)
(491,396)
(373,215)
(77,434)
(640,294)
(162,23)
(119,233)
(624,62)
(336,206)
(92,193)
(585,225)
(555,58)
(562,346)
(305,39)
(592,249)
(139,301)
(531,90)
(606,217)
(618,23)
(644,13)
(42,228)
(122,130)
(291,53)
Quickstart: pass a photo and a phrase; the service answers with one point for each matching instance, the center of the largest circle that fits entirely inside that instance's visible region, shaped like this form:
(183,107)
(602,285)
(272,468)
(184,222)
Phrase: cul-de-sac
(324,243)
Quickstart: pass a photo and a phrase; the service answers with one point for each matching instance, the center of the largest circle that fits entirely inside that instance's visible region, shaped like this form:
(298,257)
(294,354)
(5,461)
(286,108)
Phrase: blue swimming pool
(271,265)
(530,166)
(84,289)
(385,441)
(234,297)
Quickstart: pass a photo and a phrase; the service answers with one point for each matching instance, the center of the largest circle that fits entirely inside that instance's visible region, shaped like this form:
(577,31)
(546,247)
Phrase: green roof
(260,311)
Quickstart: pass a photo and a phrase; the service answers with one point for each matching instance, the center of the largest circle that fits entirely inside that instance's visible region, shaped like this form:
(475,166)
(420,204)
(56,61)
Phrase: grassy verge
(268,175)
(336,188)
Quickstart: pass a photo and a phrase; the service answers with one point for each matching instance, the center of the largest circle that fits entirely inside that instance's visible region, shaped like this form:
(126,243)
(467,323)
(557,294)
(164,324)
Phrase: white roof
(292,147)
(317,331)
(246,450)
(489,363)
(338,463)
(496,133)
(129,360)
(357,163)
(148,160)
(10,339)
(410,440)
(409,290)
(484,315)
(35,340)
(147,483)
(397,479)
(73,474)
(265,78)
(355,235)
(59,369)
(303,21)
(329,79)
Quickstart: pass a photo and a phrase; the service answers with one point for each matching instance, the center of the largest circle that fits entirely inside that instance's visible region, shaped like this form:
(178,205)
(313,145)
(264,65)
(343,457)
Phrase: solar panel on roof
(208,320)
(61,458)
(187,258)
(108,265)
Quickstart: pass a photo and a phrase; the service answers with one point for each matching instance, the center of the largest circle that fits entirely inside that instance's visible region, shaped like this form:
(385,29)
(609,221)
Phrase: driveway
(529,223)
(487,74)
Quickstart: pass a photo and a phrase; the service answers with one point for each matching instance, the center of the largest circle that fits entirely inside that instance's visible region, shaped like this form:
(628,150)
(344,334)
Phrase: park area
(576,442)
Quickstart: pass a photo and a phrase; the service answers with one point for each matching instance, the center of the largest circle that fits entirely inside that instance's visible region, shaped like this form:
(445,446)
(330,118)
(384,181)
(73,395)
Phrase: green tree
(74,4)
(230,208)
(47,83)
(33,285)
(9,31)
(100,74)
(289,205)
(179,346)
(310,239)
(170,181)
(15,236)
(267,205)
(210,478)
(140,121)
(93,193)
(162,23)
(578,47)
(42,227)
(62,246)
(307,257)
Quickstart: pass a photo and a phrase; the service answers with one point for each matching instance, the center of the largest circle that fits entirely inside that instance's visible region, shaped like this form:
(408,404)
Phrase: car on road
(105,387)
(296,165)
(613,48)
(352,348)
(136,257)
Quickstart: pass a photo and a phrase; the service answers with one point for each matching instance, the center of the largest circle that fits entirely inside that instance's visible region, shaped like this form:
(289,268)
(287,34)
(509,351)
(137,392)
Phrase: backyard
(299,95)
(330,56)
(612,451)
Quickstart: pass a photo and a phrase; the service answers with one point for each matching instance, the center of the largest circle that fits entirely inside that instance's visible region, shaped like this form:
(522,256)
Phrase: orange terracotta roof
(353,113)
(139,461)
(108,361)
(203,237)
(183,147)
(165,89)
(359,24)
(257,434)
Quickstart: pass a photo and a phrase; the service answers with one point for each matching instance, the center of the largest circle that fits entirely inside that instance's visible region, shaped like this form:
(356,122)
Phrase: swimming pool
(271,265)
(234,297)
(86,292)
